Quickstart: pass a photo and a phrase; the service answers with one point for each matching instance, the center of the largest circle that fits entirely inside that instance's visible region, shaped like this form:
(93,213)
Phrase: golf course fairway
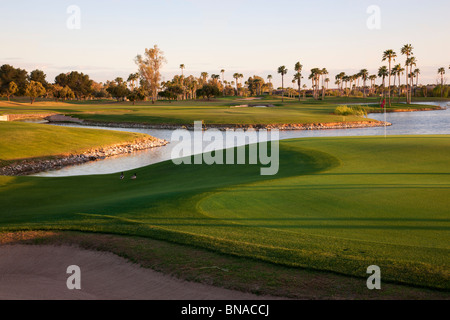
(337,204)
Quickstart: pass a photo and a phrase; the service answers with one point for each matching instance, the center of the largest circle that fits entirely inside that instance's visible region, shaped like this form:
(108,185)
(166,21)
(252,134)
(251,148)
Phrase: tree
(298,77)
(372,79)
(79,83)
(364,76)
(223,81)
(283,71)
(9,73)
(269,77)
(441,72)
(237,76)
(149,69)
(12,89)
(208,91)
(407,50)
(137,94)
(323,73)
(396,73)
(133,79)
(38,76)
(34,89)
(389,55)
(182,67)
(118,89)
(383,73)
(63,93)
(416,73)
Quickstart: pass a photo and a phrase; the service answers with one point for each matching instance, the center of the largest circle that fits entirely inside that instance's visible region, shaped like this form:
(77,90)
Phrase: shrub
(344,110)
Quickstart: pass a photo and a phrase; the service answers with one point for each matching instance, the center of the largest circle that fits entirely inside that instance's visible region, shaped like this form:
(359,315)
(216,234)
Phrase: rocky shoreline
(35,165)
(225,127)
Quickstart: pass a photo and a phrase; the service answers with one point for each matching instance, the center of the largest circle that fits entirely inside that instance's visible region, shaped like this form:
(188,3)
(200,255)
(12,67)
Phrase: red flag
(382,104)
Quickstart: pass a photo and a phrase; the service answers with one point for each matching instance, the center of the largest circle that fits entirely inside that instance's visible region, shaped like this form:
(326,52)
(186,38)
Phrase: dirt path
(39,272)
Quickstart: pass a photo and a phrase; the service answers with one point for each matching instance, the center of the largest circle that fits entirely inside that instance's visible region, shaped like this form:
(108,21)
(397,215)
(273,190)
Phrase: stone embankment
(35,165)
(224,127)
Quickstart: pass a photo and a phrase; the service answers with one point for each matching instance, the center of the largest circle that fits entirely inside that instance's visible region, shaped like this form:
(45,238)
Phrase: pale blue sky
(246,36)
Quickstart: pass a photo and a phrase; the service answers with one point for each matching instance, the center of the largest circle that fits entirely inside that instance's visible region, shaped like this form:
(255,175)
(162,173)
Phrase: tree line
(146,84)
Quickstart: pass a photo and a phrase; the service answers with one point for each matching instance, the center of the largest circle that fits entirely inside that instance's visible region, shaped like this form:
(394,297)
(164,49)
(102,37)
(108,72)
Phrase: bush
(343,110)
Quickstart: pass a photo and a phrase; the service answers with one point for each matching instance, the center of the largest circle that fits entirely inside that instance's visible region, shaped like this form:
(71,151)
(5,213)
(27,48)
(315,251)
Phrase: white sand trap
(39,273)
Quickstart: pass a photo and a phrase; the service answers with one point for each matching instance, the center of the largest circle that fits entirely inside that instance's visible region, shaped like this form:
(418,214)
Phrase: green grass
(337,204)
(212,112)
(20,140)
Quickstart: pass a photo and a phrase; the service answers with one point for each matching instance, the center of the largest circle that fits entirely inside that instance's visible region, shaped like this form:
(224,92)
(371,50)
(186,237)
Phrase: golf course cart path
(39,273)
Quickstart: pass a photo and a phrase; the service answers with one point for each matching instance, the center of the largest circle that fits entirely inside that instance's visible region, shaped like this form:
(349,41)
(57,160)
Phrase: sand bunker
(39,272)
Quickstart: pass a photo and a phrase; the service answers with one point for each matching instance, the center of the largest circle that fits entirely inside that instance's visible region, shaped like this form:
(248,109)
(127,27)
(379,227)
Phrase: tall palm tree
(223,80)
(389,55)
(133,78)
(396,72)
(412,62)
(407,50)
(383,73)
(441,71)
(237,76)
(416,73)
(182,67)
(372,79)
(282,70)
(269,77)
(346,79)
(204,75)
(323,74)
(298,77)
(364,76)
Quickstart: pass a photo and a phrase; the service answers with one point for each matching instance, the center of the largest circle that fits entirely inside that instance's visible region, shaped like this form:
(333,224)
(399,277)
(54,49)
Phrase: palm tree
(389,55)
(416,73)
(396,73)
(372,79)
(223,80)
(237,76)
(383,73)
(323,73)
(282,70)
(407,50)
(364,76)
(204,75)
(441,71)
(182,67)
(298,77)
(133,78)
(346,80)
(269,77)
(412,62)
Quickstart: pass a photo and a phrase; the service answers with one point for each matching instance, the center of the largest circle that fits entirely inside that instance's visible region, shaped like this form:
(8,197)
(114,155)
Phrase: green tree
(364,76)
(208,91)
(9,73)
(283,71)
(390,56)
(12,89)
(38,76)
(441,72)
(34,90)
(383,72)
(407,50)
(298,77)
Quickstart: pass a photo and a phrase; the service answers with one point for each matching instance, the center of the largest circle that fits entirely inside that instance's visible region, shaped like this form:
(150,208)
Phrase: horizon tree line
(146,82)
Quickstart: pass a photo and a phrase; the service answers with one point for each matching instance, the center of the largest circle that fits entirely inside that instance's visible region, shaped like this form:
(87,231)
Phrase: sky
(252,37)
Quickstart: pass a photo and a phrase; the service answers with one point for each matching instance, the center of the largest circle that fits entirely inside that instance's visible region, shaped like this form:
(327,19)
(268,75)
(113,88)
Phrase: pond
(403,123)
